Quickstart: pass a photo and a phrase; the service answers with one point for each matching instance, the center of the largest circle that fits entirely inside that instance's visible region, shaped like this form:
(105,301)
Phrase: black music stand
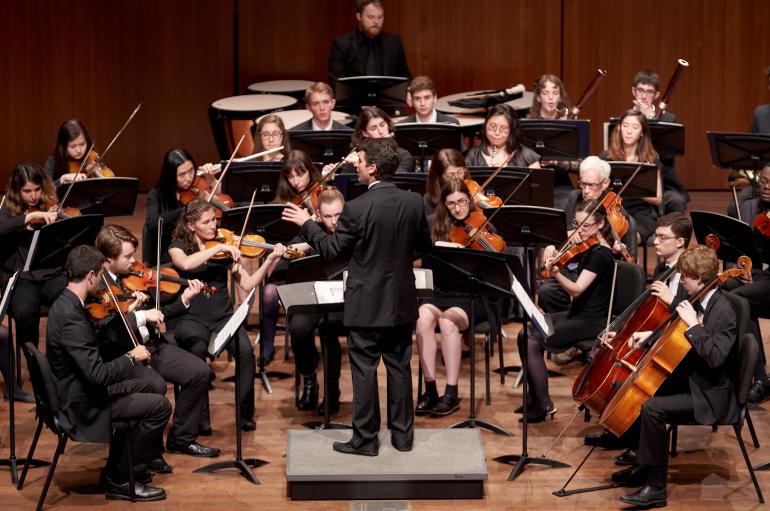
(424,140)
(736,238)
(409,182)
(107,196)
(324,146)
(538,192)
(242,178)
(556,139)
(385,92)
(529,227)
(739,150)
(475,273)
(244,465)
(645,184)
(667,137)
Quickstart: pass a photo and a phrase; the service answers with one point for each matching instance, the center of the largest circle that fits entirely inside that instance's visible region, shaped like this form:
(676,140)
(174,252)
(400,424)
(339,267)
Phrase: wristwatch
(132,358)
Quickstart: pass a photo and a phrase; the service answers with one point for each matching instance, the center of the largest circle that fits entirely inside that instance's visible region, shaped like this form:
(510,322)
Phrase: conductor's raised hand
(295,214)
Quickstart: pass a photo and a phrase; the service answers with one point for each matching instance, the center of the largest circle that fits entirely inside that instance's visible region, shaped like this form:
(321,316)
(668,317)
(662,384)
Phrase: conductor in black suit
(367,50)
(380,232)
(93,392)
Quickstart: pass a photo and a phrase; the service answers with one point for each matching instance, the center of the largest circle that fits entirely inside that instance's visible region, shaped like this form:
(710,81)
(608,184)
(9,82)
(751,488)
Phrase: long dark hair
(443,221)
(366,115)
(167,180)
(644,149)
(28,173)
(68,131)
(535,109)
(441,161)
(192,213)
(301,162)
(514,135)
(598,215)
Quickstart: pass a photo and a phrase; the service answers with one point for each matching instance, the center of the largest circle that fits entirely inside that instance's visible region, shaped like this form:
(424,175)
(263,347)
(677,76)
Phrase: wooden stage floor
(709,472)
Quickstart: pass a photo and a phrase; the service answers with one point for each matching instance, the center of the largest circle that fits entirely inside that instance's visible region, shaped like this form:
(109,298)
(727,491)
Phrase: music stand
(538,192)
(645,184)
(409,182)
(562,140)
(242,178)
(739,150)
(736,238)
(107,196)
(324,146)
(529,227)
(424,140)
(475,273)
(667,137)
(385,92)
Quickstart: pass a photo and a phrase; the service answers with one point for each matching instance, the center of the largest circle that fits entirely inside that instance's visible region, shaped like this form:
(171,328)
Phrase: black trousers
(28,297)
(194,337)
(151,411)
(653,440)
(552,297)
(757,293)
(302,328)
(394,346)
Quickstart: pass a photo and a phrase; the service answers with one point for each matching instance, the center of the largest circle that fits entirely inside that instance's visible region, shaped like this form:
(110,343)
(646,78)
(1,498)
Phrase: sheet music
(7,295)
(32,249)
(329,291)
(218,342)
(536,315)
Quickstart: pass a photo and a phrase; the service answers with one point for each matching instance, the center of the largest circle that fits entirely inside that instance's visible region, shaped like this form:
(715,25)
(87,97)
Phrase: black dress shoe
(248,425)
(159,466)
(143,493)
(426,403)
(334,405)
(401,447)
(632,477)
(309,399)
(144,478)
(445,406)
(605,439)
(20,396)
(758,392)
(626,458)
(193,449)
(349,448)
(646,496)
(533,416)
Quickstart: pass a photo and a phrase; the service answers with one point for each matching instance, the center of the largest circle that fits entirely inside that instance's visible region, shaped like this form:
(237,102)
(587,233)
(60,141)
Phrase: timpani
(293,88)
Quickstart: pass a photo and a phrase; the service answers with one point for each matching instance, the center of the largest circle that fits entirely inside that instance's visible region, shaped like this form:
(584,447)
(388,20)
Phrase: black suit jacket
(308,125)
(349,52)
(82,377)
(380,232)
(441,118)
(760,121)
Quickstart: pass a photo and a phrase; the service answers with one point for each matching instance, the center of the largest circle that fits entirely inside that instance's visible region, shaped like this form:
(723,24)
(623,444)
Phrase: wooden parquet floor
(709,472)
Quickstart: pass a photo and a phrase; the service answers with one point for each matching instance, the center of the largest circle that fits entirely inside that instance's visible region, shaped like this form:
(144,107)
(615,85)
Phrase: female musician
(374,123)
(30,196)
(447,164)
(72,143)
(270,133)
(177,173)
(590,300)
(631,141)
(209,313)
(449,311)
(502,137)
(5,369)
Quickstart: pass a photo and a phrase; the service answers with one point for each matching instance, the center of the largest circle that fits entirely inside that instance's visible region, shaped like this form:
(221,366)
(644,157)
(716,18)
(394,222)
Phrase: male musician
(380,231)
(169,362)
(93,392)
(646,91)
(367,50)
(701,389)
(423,94)
(319,100)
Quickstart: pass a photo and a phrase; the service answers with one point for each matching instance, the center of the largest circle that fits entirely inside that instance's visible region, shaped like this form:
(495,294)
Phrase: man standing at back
(380,232)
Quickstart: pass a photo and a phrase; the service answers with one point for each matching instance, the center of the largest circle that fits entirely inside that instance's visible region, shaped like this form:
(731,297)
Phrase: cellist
(699,390)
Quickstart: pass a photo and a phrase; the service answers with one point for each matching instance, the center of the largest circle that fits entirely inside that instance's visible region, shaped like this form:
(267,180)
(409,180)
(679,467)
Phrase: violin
(62,213)
(251,246)
(104,306)
(567,253)
(199,187)
(483,240)
(761,223)
(483,200)
(309,198)
(93,166)
(142,278)
(613,205)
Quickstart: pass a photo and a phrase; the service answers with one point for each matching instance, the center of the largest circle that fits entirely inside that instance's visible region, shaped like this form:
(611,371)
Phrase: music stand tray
(645,184)
(562,140)
(538,192)
(667,137)
(424,140)
(242,178)
(265,220)
(107,196)
(736,238)
(52,243)
(412,182)
(749,151)
(324,146)
(314,267)
(386,92)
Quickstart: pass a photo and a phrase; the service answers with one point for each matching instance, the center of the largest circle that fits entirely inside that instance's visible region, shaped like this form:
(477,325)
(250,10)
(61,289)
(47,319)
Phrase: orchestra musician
(760,119)
(270,133)
(19,394)
(446,165)
(319,100)
(700,389)
(72,144)
(423,94)
(502,137)
(367,50)
(93,392)
(207,314)
(372,122)
(380,232)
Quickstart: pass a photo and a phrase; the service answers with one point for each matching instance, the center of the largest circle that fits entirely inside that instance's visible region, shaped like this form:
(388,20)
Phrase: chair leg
(500,356)
(487,374)
(49,477)
(286,341)
(30,454)
(586,414)
(745,453)
(753,433)
(674,434)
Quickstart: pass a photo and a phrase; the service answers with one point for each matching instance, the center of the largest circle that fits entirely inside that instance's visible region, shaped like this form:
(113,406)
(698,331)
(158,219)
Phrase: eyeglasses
(662,237)
(271,134)
(459,203)
(592,186)
(764,183)
(645,92)
(586,225)
(494,128)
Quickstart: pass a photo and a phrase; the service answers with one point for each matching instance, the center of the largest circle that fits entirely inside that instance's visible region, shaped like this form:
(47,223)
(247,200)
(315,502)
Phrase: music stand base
(329,425)
(16,463)
(566,493)
(522,460)
(472,422)
(244,466)
(763,466)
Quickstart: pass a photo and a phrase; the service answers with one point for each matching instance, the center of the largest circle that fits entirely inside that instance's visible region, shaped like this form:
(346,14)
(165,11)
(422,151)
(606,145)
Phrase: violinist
(590,294)
(446,165)
(298,181)
(168,361)
(699,390)
(372,122)
(177,174)
(208,314)
(502,137)
(72,143)
(30,198)
(270,133)
(448,311)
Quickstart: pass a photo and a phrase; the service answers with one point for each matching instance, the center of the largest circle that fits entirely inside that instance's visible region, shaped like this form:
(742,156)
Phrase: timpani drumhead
(253,105)
(289,87)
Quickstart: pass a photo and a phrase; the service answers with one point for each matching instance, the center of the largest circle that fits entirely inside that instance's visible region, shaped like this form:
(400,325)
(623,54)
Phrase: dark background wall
(96,59)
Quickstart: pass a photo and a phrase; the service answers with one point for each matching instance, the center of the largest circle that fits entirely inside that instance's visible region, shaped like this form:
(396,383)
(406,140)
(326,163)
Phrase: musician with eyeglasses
(502,137)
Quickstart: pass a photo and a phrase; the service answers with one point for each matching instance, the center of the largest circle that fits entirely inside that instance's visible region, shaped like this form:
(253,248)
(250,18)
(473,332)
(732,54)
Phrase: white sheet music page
(232,325)
(329,291)
(535,314)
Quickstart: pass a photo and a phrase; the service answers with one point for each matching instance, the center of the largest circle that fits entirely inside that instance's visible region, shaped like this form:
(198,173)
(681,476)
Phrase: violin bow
(120,132)
(735,198)
(120,312)
(246,220)
(222,175)
(72,183)
(250,157)
(494,174)
(157,264)
(2,202)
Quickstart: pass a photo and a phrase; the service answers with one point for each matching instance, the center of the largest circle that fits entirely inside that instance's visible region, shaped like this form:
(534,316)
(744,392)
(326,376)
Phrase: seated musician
(93,392)
(630,142)
(374,123)
(270,133)
(319,100)
(447,164)
(760,119)
(177,174)
(502,138)
(448,311)
(169,362)
(72,144)
(423,94)
(700,389)
(193,254)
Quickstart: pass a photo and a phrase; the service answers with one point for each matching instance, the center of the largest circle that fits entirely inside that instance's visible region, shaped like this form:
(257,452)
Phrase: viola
(567,253)
(198,189)
(309,197)
(463,234)
(477,194)
(613,205)
(63,213)
(142,278)
(251,246)
(104,306)
(93,167)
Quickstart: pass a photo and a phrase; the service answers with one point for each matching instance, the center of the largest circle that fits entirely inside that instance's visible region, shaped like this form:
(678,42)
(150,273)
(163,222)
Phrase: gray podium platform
(444,464)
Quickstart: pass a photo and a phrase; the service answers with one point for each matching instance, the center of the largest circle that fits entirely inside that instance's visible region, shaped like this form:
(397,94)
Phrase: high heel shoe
(534,417)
